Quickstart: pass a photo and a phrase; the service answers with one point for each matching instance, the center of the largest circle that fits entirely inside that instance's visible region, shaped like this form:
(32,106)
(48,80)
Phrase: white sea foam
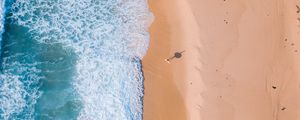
(16,93)
(109,38)
(2,14)
(11,100)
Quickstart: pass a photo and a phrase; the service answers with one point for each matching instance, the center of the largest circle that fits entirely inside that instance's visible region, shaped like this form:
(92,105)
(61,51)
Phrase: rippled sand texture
(241,60)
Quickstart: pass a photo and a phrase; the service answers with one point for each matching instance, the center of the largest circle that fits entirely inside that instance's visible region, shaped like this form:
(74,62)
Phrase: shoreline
(163,99)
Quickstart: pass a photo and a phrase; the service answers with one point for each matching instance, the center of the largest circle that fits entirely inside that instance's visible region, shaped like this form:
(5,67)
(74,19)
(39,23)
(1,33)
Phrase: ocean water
(72,59)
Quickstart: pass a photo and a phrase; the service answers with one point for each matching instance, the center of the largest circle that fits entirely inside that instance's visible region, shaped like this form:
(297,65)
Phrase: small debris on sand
(292,44)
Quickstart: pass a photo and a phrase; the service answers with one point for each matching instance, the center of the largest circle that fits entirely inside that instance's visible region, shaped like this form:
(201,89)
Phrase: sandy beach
(241,60)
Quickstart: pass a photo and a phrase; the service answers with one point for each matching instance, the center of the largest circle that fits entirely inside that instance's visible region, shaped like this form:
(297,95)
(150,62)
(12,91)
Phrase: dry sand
(241,60)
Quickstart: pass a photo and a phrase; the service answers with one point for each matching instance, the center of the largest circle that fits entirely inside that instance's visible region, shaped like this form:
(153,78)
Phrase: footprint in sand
(226,21)
(291,44)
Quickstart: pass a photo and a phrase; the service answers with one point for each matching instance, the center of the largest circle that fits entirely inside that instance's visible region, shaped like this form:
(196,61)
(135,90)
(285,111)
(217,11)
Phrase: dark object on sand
(283,108)
(274,87)
(176,55)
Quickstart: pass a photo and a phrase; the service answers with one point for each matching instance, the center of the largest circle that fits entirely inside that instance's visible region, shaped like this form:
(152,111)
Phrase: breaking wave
(79,56)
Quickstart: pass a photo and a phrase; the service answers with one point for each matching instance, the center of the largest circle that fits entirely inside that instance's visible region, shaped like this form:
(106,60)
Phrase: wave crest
(109,38)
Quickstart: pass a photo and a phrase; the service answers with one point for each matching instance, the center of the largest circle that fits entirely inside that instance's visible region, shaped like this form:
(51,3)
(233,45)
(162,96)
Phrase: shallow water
(73,59)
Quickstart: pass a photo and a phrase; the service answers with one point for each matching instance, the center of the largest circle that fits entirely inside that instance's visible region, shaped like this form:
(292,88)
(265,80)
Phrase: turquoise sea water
(72,59)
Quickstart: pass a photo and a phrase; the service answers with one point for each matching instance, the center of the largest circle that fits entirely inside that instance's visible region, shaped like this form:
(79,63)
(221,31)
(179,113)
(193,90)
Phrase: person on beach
(176,55)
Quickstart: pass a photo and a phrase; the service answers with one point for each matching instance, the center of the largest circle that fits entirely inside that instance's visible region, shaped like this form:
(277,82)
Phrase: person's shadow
(176,55)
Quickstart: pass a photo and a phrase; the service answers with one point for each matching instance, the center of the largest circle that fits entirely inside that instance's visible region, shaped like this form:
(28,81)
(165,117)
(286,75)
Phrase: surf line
(2,19)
